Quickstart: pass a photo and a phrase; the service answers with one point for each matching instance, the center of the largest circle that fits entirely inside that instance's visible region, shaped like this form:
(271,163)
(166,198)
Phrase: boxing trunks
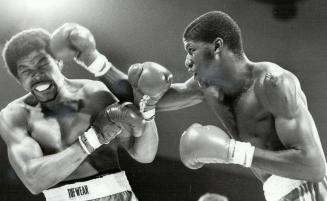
(105,187)
(278,188)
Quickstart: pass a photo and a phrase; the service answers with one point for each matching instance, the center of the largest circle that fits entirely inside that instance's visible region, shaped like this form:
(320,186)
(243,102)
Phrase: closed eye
(43,61)
(191,51)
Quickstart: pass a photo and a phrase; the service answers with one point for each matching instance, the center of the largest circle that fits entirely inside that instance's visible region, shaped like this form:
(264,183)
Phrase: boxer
(62,136)
(266,124)
(264,111)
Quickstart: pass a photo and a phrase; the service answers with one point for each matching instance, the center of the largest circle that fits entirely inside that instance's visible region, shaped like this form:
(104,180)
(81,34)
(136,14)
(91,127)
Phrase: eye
(44,62)
(24,72)
(191,50)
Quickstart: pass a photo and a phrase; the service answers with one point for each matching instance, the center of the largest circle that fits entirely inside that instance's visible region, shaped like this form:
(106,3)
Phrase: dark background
(291,33)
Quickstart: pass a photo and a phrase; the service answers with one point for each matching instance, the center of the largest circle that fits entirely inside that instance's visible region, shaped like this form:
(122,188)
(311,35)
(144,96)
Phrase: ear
(218,44)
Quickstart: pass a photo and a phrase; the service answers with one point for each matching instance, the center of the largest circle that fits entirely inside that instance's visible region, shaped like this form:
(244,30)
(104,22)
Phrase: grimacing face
(39,74)
(201,63)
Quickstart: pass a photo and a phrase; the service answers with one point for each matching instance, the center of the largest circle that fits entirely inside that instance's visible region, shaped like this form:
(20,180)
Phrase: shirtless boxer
(62,136)
(260,105)
(274,132)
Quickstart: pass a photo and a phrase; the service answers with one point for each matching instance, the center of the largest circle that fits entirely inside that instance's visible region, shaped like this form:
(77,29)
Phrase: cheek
(25,84)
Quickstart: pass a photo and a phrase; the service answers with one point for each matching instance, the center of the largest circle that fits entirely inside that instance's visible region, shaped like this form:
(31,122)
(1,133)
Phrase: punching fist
(200,145)
(109,123)
(72,41)
(150,81)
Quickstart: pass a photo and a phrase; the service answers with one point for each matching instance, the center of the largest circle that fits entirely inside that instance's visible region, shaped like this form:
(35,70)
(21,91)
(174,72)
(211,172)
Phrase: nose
(37,75)
(189,63)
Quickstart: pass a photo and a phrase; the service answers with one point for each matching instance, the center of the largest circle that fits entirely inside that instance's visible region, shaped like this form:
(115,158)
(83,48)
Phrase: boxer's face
(202,63)
(39,74)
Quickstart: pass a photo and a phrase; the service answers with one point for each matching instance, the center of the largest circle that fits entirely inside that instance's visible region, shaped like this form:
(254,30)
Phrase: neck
(241,76)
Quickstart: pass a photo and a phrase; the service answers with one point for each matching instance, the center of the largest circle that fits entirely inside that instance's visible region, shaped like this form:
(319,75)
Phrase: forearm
(42,173)
(144,148)
(118,84)
(117,81)
(291,163)
(178,97)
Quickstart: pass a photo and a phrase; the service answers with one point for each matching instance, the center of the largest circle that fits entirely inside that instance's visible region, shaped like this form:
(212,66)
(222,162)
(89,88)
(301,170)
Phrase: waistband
(276,187)
(103,186)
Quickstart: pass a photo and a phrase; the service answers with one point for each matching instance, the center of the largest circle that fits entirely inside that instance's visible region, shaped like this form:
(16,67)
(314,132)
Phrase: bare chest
(254,124)
(58,129)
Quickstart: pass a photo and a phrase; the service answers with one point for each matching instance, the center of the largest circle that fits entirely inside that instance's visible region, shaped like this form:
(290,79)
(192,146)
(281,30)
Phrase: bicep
(299,131)
(293,122)
(21,147)
(20,153)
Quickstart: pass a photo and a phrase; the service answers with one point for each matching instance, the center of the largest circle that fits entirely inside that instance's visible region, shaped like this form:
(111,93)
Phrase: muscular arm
(37,171)
(303,157)
(118,84)
(181,95)
(144,148)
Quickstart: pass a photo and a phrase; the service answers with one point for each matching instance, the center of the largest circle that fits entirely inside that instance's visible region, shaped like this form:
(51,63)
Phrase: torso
(252,122)
(57,129)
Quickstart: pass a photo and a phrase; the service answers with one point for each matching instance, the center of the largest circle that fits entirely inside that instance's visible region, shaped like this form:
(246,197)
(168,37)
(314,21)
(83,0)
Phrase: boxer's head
(212,197)
(209,40)
(28,58)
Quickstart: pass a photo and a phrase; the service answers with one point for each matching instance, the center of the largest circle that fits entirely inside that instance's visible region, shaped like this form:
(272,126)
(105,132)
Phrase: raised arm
(304,157)
(37,171)
(74,42)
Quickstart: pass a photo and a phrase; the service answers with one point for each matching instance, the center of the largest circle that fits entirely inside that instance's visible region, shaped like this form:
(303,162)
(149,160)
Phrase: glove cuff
(89,141)
(144,104)
(99,66)
(149,115)
(241,153)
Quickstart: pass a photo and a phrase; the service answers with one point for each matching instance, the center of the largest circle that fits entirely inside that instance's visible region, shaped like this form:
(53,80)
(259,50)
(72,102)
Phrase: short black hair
(23,43)
(211,25)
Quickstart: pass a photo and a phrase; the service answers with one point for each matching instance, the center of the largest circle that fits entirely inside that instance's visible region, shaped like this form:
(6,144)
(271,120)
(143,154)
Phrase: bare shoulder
(96,92)
(18,108)
(14,120)
(278,89)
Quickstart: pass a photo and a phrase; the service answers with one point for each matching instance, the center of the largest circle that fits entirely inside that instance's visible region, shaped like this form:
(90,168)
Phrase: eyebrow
(41,58)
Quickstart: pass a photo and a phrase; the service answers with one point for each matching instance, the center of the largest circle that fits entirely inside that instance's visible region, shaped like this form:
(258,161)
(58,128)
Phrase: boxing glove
(149,81)
(109,123)
(200,145)
(72,41)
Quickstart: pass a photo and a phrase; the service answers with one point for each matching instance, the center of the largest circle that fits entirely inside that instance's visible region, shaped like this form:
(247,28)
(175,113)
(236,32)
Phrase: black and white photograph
(163,100)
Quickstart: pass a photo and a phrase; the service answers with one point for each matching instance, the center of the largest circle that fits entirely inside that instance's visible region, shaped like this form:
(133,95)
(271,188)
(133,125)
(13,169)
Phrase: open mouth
(42,86)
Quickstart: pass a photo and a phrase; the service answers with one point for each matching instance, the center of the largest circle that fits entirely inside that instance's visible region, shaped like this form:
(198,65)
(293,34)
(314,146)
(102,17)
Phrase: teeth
(42,87)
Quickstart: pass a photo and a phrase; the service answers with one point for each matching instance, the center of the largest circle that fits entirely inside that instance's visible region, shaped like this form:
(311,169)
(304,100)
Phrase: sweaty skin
(42,134)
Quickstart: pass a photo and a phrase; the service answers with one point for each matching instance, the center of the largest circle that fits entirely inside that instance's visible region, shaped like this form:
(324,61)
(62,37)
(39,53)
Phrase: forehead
(32,57)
